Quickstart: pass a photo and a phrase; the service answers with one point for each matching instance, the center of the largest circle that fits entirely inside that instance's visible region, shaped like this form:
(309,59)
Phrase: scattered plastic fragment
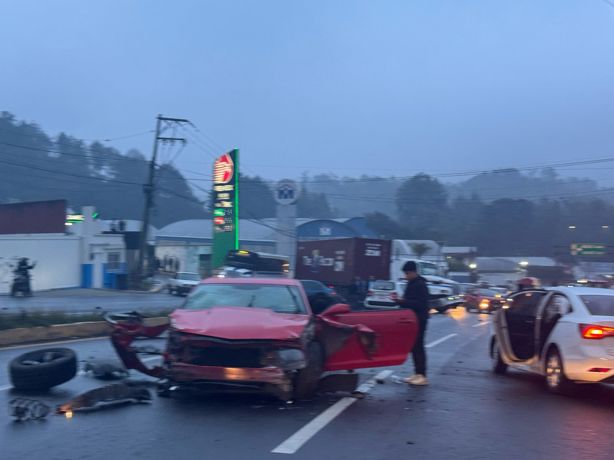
(23,409)
(106,369)
(105,396)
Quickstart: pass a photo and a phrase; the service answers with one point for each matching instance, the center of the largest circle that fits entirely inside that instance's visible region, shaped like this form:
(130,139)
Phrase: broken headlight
(288,359)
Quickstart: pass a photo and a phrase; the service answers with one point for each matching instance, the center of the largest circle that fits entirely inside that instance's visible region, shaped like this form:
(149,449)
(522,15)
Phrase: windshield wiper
(251,301)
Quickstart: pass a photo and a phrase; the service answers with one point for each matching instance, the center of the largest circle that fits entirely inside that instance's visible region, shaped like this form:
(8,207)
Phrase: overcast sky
(352,87)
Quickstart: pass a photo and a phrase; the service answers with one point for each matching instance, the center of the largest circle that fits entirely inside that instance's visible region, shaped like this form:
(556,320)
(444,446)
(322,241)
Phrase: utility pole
(149,188)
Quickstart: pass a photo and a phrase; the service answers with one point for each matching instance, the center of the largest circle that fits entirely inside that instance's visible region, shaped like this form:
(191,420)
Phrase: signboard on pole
(225,207)
(588,249)
(287,192)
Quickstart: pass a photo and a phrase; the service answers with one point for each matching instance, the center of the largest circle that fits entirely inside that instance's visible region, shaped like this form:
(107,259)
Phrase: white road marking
(437,342)
(6,387)
(483,323)
(298,439)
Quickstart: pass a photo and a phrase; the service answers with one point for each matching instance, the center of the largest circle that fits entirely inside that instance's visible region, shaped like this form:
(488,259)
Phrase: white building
(83,256)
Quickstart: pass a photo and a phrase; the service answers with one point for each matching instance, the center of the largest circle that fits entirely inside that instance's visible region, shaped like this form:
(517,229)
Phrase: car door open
(520,319)
(395,334)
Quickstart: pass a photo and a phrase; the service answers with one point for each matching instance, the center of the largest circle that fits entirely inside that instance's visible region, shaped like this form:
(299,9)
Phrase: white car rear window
(599,305)
(382,285)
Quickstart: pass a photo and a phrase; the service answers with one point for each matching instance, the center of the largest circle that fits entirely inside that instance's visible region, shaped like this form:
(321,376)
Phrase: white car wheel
(498,365)
(556,380)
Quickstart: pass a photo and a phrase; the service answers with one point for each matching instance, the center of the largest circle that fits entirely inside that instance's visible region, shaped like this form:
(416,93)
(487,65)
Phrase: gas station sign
(225,206)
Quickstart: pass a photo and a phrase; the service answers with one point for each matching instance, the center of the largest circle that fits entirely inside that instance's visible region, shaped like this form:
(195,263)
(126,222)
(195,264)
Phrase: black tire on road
(55,366)
(498,365)
(307,379)
(556,380)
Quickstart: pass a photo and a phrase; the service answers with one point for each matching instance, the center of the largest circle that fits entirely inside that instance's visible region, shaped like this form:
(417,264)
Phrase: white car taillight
(595,331)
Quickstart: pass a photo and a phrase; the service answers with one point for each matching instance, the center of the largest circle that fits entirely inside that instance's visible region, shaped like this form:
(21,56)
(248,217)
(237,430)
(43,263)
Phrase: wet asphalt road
(466,413)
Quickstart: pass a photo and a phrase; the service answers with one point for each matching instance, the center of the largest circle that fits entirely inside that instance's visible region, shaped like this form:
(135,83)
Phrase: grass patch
(34,319)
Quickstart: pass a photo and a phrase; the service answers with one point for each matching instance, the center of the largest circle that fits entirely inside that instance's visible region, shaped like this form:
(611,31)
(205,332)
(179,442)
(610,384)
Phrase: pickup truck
(182,283)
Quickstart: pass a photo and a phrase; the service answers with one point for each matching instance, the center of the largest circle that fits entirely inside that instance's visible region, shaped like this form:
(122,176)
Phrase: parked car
(320,296)
(384,294)
(484,300)
(182,283)
(260,334)
(565,334)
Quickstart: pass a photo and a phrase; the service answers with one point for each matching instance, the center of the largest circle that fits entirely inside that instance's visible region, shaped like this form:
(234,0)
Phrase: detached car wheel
(556,380)
(498,365)
(307,379)
(43,369)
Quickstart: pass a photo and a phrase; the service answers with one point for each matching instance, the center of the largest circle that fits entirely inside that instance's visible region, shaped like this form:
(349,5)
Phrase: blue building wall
(86,275)
(109,277)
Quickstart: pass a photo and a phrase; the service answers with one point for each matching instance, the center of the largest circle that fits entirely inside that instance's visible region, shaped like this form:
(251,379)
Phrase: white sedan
(563,333)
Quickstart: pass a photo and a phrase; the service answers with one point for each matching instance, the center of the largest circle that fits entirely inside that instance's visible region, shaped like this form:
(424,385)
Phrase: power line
(63,173)
(120,157)
(208,138)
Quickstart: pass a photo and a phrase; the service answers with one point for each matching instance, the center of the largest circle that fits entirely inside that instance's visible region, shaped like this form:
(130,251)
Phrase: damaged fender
(126,328)
(334,334)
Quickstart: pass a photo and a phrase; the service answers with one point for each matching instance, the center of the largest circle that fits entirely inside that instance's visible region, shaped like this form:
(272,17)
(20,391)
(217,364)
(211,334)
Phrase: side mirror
(337,309)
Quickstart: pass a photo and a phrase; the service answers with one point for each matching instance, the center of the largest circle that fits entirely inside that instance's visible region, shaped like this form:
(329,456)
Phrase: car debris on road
(106,369)
(22,409)
(109,395)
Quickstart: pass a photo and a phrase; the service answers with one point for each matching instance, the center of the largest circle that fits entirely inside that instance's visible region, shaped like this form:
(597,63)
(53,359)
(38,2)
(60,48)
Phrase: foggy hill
(35,166)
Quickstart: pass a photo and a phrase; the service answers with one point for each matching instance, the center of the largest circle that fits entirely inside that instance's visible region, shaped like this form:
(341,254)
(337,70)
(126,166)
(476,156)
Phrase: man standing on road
(416,298)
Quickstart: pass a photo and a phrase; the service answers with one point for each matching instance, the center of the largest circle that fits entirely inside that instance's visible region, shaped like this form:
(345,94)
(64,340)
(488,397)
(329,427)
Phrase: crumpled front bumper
(184,372)
(271,380)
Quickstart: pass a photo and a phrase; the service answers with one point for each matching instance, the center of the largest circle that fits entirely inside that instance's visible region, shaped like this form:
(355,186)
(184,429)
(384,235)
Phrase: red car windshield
(279,298)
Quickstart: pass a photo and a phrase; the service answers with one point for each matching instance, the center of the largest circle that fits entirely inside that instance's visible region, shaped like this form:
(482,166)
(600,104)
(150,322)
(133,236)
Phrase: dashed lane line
(298,439)
(443,339)
(483,323)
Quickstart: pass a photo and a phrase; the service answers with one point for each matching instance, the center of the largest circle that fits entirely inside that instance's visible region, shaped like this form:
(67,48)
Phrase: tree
(422,204)
(256,199)
(506,227)
(385,226)
(419,249)
(40,168)
(313,205)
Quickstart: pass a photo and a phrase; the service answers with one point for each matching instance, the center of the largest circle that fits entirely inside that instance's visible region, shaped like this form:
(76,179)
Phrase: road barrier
(55,332)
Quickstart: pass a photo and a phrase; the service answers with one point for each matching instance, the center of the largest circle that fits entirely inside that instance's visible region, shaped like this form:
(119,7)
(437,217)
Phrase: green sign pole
(225,207)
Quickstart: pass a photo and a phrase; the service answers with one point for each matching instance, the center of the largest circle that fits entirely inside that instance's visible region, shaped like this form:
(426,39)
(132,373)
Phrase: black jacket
(416,297)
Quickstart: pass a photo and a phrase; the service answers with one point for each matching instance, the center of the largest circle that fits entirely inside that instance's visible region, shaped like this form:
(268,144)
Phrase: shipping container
(338,262)
(33,217)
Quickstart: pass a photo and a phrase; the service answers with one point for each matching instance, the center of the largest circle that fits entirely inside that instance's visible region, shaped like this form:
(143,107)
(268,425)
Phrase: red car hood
(240,323)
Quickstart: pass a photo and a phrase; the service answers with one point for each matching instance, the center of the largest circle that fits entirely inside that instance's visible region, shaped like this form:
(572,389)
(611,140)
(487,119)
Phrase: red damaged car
(246,334)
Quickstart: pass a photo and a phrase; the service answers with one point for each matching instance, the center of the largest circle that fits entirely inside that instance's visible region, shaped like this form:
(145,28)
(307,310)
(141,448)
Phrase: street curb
(41,334)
